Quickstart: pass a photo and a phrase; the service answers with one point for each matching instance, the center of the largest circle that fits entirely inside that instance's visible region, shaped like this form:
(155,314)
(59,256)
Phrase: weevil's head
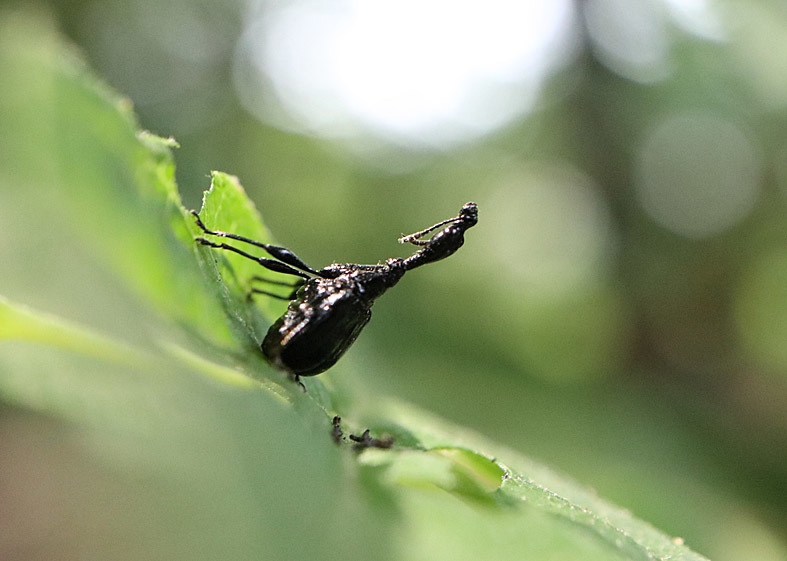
(446,241)
(468,216)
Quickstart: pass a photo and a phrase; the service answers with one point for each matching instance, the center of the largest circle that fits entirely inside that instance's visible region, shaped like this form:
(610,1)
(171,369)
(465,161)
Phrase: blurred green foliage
(174,439)
(592,320)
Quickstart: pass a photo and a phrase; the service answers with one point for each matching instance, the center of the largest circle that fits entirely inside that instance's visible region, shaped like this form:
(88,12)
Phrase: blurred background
(620,311)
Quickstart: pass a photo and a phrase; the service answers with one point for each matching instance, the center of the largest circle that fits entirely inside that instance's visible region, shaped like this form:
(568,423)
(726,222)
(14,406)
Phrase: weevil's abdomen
(319,326)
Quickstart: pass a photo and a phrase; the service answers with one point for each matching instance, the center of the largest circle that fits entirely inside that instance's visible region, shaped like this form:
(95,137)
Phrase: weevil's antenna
(413,238)
(468,215)
(443,243)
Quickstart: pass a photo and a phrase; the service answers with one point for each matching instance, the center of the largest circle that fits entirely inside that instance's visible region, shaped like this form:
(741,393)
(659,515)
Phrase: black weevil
(329,307)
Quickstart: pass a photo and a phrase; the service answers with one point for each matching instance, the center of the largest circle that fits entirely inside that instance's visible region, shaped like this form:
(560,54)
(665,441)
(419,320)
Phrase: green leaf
(226,207)
(473,467)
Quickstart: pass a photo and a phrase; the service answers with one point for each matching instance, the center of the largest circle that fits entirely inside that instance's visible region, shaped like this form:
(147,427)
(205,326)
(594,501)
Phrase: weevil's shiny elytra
(329,307)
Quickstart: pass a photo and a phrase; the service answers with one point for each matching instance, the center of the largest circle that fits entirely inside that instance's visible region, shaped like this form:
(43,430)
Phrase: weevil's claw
(366,441)
(198,221)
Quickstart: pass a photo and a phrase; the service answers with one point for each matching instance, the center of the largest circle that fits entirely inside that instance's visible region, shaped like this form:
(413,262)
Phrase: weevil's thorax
(366,282)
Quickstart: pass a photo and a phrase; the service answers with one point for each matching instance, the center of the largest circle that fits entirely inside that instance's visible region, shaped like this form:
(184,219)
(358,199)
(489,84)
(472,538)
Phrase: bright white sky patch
(697,17)
(633,38)
(415,71)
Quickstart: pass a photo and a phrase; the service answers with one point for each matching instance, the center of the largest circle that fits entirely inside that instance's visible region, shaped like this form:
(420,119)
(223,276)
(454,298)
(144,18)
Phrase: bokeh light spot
(698,175)
(759,47)
(428,72)
(697,17)
(551,230)
(629,37)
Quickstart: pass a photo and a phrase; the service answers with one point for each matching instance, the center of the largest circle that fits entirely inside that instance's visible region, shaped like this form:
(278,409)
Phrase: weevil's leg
(367,441)
(254,291)
(336,429)
(295,286)
(297,379)
(281,253)
(270,264)
(256,278)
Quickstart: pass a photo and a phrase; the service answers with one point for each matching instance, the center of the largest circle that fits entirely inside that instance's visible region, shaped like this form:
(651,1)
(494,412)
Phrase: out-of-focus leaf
(471,466)
(22,324)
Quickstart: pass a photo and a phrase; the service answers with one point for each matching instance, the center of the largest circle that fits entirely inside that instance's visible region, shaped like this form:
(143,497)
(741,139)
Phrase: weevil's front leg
(270,264)
(281,253)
